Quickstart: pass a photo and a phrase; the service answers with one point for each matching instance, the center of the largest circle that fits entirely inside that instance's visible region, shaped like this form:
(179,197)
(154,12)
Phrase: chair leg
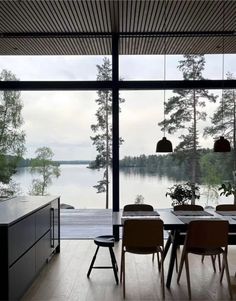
(188,276)
(121,266)
(114,264)
(227,274)
(162,275)
(213,259)
(92,262)
(159,260)
(219,262)
(181,265)
(176,263)
(124,275)
(222,271)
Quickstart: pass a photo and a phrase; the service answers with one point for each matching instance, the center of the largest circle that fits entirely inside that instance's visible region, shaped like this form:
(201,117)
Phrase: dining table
(177,223)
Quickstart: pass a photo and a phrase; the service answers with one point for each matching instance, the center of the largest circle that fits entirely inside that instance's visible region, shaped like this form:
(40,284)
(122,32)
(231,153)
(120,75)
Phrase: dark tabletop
(173,222)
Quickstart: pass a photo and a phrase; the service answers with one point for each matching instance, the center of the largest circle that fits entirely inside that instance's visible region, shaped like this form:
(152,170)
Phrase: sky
(62,119)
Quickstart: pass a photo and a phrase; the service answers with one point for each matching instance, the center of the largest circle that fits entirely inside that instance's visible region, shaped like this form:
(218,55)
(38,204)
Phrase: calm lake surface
(75,186)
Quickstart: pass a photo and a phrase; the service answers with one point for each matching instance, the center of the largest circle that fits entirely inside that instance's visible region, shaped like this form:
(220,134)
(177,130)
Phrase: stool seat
(108,242)
(104,241)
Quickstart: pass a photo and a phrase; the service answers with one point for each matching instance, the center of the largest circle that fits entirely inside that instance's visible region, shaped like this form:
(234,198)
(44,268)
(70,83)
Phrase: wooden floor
(64,278)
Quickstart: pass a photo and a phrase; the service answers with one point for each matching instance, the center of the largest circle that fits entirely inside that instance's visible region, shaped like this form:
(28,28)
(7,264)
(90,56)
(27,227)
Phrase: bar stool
(106,241)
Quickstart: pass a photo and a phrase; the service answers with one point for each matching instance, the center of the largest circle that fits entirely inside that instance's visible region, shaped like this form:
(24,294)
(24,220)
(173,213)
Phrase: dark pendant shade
(164,146)
(222,145)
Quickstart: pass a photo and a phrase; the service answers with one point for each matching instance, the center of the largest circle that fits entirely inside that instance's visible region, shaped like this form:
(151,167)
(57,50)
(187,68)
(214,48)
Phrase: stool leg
(92,262)
(114,264)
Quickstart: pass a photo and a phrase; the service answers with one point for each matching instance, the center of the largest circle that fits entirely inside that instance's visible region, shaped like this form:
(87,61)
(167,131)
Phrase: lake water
(75,186)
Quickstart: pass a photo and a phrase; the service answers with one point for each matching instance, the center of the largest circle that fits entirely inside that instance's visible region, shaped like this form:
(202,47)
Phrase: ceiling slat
(99,16)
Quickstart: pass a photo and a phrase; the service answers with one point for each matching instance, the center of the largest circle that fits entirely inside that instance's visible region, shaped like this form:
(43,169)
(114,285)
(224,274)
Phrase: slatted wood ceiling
(32,17)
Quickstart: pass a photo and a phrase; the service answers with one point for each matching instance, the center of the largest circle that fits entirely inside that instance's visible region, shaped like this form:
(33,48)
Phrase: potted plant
(139,199)
(228,189)
(183,193)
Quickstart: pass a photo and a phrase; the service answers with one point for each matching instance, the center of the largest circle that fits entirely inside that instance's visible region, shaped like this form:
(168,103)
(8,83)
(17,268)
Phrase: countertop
(14,209)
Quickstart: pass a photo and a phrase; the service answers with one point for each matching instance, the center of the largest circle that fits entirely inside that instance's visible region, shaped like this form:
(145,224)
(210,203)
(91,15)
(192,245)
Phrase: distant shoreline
(64,162)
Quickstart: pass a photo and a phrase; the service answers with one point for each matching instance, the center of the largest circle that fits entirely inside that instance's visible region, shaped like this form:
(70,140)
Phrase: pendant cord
(164,66)
(223,67)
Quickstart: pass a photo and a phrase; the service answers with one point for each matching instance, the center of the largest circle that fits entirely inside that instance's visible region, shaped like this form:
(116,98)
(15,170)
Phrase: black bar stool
(106,241)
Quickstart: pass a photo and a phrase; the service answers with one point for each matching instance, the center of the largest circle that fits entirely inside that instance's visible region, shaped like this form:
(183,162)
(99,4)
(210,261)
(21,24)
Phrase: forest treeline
(213,168)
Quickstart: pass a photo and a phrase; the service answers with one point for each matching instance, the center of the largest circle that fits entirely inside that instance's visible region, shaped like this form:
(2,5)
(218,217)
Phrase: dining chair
(185,207)
(142,236)
(208,238)
(143,207)
(232,236)
(226,207)
(188,207)
(138,207)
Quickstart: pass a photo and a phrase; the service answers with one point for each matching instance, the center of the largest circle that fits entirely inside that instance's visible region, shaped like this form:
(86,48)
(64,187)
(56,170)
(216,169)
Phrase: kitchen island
(29,235)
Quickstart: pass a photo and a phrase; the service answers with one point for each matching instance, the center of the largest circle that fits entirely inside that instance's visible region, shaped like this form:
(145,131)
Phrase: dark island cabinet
(29,235)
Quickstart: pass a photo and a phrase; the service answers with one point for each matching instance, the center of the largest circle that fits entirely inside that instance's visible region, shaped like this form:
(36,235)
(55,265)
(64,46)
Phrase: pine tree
(224,121)
(185,109)
(103,129)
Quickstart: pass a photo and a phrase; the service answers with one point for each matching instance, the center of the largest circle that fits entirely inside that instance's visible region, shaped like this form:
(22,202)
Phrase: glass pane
(52,68)
(150,67)
(141,67)
(150,174)
(62,122)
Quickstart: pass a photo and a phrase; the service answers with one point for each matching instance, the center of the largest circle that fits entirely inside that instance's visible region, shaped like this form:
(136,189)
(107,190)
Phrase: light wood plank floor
(64,278)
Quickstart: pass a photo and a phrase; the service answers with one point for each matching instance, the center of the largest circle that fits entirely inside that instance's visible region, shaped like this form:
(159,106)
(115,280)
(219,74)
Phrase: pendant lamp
(164,145)
(222,145)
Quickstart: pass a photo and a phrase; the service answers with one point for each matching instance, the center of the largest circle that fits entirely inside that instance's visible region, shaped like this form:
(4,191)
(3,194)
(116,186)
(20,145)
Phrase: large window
(150,174)
(62,122)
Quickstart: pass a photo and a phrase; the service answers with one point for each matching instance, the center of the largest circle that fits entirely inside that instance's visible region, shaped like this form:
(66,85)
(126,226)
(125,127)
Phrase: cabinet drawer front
(21,237)
(21,274)
(42,251)
(42,221)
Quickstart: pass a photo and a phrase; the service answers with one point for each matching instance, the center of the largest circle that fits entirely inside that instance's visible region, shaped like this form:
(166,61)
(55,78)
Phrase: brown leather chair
(138,207)
(185,207)
(226,207)
(142,207)
(142,236)
(188,207)
(214,242)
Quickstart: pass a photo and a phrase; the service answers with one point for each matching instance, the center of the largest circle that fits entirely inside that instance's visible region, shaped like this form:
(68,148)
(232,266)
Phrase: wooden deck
(85,223)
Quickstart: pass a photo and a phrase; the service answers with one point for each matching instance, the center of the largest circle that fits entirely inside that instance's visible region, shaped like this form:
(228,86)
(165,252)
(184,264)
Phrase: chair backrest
(226,207)
(143,235)
(187,207)
(207,234)
(138,207)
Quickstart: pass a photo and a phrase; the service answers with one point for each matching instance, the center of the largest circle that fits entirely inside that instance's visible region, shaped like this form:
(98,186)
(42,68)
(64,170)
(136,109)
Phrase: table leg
(116,232)
(168,243)
(175,244)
